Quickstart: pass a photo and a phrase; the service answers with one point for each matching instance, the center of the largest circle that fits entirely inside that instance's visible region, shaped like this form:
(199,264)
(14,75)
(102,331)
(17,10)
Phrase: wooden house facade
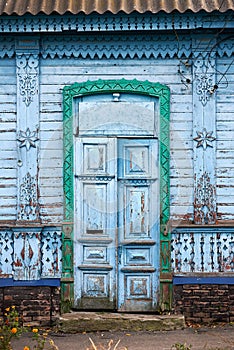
(117,157)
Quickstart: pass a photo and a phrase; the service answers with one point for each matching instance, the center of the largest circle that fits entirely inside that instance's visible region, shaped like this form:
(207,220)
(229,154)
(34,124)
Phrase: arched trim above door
(157,90)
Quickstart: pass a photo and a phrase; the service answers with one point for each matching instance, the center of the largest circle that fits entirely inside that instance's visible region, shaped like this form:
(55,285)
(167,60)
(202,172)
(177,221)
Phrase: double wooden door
(116,248)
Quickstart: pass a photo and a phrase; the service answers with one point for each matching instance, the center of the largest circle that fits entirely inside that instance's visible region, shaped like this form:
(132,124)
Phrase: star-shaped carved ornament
(27,138)
(204,138)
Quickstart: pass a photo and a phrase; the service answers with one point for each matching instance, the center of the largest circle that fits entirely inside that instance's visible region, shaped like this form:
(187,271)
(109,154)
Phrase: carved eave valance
(7,46)
(106,46)
(108,22)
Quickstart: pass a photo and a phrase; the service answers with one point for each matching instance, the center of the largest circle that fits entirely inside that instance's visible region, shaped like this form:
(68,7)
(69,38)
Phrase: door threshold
(83,321)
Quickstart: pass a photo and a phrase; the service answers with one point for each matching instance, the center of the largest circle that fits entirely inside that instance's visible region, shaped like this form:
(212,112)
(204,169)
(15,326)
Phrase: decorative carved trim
(27,70)
(137,181)
(204,86)
(225,47)
(109,22)
(114,86)
(204,75)
(165,254)
(27,259)
(117,46)
(120,46)
(27,138)
(95,178)
(51,251)
(202,250)
(6,253)
(30,253)
(29,208)
(204,138)
(110,86)
(204,201)
(7,47)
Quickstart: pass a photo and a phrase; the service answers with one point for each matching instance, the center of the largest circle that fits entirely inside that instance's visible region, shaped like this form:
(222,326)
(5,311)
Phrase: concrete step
(76,322)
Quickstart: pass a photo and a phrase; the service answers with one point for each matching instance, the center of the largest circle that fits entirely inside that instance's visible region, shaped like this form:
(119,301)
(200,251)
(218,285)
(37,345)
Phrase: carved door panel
(116,232)
(138,226)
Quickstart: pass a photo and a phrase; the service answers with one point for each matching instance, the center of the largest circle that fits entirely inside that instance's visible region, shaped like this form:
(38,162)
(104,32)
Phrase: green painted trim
(124,86)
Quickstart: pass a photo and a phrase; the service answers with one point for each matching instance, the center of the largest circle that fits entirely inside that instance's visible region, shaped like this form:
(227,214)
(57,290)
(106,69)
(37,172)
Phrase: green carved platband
(157,90)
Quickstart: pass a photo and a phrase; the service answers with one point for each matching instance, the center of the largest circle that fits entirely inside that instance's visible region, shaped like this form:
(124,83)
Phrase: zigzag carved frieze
(107,46)
(117,46)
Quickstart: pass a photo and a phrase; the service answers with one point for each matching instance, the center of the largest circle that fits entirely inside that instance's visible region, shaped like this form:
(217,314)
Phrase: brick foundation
(38,306)
(207,303)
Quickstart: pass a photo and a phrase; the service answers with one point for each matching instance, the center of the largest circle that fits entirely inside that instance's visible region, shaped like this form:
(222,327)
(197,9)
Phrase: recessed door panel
(94,207)
(95,158)
(136,211)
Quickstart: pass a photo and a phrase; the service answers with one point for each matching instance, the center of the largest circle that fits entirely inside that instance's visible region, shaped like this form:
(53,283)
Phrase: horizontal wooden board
(51,144)
(51,125)
(225,163)
(47,117)
(8,117)
(51,130)
(56,192)
(57,172)
(180,210)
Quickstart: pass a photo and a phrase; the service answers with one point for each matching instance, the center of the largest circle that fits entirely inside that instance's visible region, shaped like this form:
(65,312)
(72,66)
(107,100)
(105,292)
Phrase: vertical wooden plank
(6,252)
(51,252)
(27,68)
(204,130)
(27,254)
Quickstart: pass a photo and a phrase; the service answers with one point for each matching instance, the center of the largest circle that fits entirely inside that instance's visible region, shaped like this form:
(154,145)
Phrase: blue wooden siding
(225,140)
(8,153)
(55,73)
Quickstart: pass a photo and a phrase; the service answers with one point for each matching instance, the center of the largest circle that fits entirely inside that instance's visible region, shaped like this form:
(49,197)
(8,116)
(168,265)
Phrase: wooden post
(204,130)
(27,69)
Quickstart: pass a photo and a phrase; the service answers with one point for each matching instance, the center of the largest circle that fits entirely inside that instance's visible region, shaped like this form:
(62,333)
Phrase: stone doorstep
(77,322)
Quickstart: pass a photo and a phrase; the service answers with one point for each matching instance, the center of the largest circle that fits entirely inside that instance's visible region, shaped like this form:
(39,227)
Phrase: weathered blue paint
(30,253)
(123,46)
(202,128)
(203,250)
(27,135)
(112,23)
(117,202)
(204,133)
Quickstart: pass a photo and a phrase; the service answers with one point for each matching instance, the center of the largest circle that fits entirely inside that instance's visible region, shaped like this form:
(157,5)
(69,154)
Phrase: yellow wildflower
(13,307)
(7,309)
(14,330)
(26,348)
(35,330)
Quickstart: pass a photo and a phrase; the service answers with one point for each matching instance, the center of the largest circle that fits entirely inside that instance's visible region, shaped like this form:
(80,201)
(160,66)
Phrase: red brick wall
(204,303)
(39,306)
